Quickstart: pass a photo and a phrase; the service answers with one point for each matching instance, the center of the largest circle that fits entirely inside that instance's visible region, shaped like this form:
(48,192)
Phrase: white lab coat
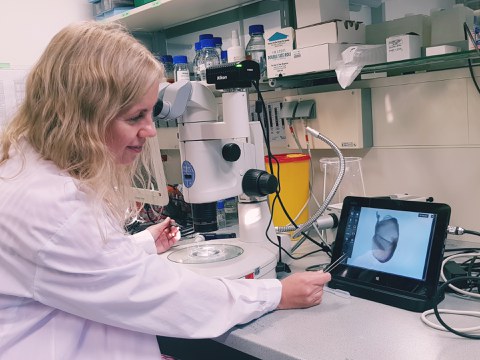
(67,294)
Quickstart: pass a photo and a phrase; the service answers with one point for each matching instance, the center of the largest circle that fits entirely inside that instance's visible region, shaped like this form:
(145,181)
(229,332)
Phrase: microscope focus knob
(259,183)
(231,152)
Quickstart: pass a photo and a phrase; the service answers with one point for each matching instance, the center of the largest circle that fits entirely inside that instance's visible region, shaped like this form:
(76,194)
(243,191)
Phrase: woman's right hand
(303,290)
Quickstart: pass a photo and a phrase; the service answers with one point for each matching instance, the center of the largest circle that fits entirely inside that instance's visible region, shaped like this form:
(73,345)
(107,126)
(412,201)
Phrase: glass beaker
(352,183)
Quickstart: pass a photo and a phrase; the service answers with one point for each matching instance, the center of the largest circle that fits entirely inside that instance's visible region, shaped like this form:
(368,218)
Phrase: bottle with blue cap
(218,45)
(196,73)
(208,58)
(255,49)
(167,61)
(181,71)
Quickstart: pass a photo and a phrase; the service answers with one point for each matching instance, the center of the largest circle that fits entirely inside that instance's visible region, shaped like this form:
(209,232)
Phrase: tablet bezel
(404,292)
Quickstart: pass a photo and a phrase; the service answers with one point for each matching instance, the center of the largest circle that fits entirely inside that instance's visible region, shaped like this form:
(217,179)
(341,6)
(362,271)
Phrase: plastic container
(221,218)
(255,49)
(180,70)
(167,61)
(235,52)
(352,183)
(294,187)
(208,58)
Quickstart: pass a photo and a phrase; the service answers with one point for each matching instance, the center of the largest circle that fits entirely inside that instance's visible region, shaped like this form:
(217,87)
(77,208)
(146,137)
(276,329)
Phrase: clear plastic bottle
(196,73)
(208,58)
(167,61)
(231,211)
(181,71)
(218,45)
(255,49)
(221,219)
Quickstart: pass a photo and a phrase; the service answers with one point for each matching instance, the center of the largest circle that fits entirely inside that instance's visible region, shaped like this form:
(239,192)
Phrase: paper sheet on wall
(12,92)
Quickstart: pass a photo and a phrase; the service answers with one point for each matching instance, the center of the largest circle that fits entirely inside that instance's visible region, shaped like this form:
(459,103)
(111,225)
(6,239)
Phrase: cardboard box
(311,59)
(279,44)
(337,31)
(441,49)
(418,24)
(403,47)
(447,24)
(310,12)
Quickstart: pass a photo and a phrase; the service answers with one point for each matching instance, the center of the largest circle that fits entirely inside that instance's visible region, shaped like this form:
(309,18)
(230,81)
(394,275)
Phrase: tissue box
(403,47)
(418,24)
(310,12)
(337,31)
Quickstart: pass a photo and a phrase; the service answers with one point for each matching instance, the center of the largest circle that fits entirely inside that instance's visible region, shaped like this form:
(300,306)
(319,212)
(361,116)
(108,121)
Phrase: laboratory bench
(346,328)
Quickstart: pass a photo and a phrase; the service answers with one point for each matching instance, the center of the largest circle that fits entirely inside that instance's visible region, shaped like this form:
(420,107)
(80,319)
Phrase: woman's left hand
(166,234)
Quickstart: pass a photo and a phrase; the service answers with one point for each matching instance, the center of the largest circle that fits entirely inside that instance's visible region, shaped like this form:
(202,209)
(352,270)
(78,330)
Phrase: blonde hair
(88,74)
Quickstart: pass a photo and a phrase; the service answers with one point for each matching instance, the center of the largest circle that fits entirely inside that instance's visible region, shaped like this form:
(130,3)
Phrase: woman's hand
(166,234)
(302,290)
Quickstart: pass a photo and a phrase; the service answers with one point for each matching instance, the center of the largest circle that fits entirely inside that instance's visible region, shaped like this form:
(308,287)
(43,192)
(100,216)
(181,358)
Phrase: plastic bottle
(231,211)
(181,71)
(255,49)
(167,61)
(208,58)
(218,45)
(196,73)
(224,57)
(221,218)
(235,52)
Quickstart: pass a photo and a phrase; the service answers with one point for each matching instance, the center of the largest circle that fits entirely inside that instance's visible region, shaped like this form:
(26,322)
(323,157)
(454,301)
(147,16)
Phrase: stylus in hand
(333,265)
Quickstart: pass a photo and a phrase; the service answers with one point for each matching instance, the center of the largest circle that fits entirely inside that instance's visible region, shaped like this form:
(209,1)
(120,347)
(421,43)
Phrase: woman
(74,284)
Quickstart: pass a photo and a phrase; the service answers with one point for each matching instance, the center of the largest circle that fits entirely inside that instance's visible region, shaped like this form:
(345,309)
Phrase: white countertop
(353,329)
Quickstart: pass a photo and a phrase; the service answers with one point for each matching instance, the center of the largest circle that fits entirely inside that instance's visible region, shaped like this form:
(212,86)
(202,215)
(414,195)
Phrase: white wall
(26,27)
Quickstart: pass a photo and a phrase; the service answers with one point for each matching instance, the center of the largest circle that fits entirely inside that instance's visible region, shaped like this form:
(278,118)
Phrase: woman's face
(129,131)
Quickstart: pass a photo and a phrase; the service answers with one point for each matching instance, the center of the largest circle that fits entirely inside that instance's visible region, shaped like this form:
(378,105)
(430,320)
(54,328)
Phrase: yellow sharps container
(292,171)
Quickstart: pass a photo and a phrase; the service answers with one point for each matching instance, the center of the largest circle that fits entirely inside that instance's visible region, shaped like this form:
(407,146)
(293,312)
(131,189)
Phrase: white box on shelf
(336,31)
(447,24)
(403,47)
(418,24)
(310,59)
(309,12)
(441,49)
(316,58)
(279,45)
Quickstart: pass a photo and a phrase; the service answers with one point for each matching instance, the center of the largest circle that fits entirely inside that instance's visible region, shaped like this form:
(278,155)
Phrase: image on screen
(389,241)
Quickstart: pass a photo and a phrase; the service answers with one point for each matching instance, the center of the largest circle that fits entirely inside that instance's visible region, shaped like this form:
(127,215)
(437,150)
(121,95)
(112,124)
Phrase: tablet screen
(390,241)
(393,248)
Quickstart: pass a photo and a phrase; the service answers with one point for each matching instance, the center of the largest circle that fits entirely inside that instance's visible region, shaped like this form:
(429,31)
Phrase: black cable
(266,133)
(467,34)
(471,232)
(439,295)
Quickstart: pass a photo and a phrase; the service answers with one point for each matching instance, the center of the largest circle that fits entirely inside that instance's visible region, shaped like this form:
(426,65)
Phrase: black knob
(259,183)
(231,152)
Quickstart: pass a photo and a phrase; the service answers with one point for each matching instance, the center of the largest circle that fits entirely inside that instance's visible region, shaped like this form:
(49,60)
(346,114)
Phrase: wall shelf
(162,14)
(395,68)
